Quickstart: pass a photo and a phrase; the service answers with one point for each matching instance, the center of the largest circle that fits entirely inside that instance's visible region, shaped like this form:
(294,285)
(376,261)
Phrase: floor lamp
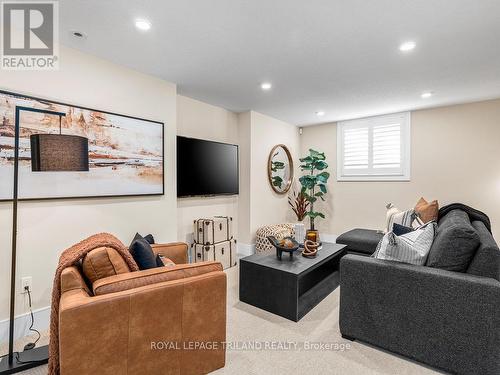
(49,153)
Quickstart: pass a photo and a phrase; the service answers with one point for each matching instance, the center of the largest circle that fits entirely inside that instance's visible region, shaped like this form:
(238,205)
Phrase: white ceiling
(339,56)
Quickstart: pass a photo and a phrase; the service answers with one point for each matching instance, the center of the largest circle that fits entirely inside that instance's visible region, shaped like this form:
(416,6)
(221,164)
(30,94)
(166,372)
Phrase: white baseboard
(22,323)
(244,249)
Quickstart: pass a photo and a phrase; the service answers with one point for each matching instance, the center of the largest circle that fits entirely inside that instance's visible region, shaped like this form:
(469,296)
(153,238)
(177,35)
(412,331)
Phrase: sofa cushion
(486,261)
(103,262)
(427,211)
(143,253)
(153,276)
(360,240)
(412,247)
(175,251)
(455,244)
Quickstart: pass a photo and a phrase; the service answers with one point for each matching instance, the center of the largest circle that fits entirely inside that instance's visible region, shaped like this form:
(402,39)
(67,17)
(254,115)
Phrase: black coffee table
(293,286)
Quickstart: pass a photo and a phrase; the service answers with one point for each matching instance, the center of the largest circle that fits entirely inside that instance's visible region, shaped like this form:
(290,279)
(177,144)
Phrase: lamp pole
(36,356)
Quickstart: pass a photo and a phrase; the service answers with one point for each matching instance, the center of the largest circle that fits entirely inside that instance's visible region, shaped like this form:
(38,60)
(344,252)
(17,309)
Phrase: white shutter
(387,146)
(356,148)
(376,148)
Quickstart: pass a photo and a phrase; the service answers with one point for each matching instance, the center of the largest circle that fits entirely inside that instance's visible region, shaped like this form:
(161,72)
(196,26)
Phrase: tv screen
(206,168)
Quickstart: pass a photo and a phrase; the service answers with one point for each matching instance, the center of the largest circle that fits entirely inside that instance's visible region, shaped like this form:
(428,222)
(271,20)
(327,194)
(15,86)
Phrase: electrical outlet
(26,282)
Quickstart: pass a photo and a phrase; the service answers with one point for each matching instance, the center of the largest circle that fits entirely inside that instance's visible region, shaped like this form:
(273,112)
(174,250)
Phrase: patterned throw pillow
(395,216)
(410,248)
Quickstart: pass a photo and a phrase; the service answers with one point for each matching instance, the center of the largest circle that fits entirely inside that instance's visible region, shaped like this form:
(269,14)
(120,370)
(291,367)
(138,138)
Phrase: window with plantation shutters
(374,148)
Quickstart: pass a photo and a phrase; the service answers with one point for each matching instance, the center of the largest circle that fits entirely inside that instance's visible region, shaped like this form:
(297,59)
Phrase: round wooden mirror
(280,169)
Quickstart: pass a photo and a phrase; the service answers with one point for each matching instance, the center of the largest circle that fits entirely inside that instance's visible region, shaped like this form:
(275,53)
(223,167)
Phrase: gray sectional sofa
(446,316)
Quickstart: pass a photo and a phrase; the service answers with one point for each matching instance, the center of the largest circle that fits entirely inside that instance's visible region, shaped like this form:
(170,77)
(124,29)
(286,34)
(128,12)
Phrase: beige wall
(266,206)
(256,134)
(48,227)
(200,120)
(455,157)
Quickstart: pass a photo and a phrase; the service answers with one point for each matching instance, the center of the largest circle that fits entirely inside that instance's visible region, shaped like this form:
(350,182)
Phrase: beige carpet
(247,324)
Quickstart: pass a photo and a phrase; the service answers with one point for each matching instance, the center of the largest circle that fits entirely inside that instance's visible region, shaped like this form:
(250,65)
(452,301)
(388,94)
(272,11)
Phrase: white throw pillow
(410,248)
(396,216)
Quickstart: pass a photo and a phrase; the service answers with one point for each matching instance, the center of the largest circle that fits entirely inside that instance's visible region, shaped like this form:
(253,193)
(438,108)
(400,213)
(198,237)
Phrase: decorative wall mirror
(280,169)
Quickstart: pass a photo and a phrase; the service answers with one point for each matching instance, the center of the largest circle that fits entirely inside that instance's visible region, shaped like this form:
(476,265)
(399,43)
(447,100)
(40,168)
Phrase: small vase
(300,232)
(312,235)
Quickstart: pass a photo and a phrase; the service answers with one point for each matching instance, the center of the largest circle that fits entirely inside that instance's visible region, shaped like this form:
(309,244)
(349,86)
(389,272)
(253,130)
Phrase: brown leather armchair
(168,320)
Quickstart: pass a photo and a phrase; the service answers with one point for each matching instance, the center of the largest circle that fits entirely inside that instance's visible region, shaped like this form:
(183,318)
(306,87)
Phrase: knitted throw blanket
(474,215)
(67,259)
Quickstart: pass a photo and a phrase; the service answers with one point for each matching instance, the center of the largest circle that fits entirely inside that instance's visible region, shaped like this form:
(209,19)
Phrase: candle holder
(312,235)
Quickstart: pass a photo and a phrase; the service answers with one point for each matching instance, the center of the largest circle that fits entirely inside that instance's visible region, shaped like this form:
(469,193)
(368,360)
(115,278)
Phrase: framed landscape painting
(125,153)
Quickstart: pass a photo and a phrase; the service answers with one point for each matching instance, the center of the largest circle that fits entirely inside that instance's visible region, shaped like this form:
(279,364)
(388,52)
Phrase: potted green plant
(314,186)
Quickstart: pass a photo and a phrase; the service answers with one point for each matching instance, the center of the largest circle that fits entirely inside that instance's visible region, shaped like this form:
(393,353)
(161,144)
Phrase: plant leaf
(316,154)
(308,181)
(314,215)
(323,177)
(320,165)
(277,181)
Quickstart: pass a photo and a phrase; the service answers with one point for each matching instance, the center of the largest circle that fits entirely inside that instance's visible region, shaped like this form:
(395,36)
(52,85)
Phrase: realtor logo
(30,35)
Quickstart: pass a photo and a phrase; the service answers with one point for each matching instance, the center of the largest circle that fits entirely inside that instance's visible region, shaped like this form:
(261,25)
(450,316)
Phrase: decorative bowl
(281,247)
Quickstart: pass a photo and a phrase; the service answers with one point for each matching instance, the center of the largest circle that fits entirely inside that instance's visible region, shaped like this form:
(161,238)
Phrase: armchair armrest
(176,251)
(447,319)
(130,280)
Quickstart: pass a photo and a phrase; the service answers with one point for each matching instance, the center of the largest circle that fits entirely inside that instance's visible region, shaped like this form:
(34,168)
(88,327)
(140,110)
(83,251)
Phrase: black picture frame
(30,97)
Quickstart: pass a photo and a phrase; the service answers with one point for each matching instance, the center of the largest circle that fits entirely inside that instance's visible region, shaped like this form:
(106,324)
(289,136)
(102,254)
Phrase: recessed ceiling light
(426,95)
(320,113)
(266,86)
(143,24)
(407,46)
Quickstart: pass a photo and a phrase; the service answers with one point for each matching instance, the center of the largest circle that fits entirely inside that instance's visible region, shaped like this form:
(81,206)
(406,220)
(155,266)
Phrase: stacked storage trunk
(213,240)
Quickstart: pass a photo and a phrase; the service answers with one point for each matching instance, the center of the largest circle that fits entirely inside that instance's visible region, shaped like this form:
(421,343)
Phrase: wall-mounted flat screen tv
(206,168)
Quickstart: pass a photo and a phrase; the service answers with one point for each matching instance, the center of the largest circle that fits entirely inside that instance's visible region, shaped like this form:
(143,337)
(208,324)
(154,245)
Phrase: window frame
(368,175)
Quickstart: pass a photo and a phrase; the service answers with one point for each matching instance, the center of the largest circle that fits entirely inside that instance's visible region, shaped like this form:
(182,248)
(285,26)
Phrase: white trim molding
(245,250)
(22,323)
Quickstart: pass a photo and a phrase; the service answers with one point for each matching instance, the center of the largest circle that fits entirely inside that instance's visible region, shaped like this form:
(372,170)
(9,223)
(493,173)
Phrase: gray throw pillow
(455,244)
(410,248)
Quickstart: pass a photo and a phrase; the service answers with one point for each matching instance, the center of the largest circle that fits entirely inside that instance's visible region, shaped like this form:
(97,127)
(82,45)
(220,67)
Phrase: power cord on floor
(29,345)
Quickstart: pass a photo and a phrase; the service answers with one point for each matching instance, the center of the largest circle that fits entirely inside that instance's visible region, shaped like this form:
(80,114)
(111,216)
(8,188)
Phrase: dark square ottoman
(360,241)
